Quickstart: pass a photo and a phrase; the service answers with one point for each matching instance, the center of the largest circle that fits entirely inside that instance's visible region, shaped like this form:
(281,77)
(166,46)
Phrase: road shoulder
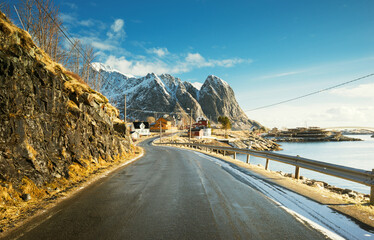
(38,207)
(362,213)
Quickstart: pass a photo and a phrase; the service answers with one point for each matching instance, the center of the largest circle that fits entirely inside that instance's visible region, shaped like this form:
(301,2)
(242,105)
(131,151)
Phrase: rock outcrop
(49,119)
(217,98)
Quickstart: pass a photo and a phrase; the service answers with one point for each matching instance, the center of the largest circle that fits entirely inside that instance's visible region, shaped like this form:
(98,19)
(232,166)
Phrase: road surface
(168,194)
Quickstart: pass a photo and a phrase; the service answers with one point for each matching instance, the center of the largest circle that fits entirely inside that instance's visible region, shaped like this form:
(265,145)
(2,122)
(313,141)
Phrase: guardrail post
(372,190)
(297,172)
(234,155)
(247,158)
(267,164)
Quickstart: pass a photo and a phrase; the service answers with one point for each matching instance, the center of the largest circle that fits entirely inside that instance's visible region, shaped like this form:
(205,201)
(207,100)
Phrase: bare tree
(73,56)
(5,8)
(40,19)
(151,119)
(87,58)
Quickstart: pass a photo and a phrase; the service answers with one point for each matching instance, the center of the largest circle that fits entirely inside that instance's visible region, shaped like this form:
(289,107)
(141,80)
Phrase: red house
(201,123)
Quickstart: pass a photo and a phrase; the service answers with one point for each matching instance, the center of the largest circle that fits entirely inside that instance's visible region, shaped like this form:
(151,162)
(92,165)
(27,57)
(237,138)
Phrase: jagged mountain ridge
(156,95)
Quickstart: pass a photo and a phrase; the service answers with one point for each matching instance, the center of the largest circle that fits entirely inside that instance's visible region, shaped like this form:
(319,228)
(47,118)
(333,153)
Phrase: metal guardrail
(348,173)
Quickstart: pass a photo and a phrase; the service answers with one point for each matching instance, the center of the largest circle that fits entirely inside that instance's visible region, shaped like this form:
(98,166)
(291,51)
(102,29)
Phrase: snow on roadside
(319,216)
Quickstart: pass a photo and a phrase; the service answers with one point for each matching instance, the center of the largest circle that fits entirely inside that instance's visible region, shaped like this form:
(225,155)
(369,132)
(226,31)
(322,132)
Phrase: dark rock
(45,125)
(217,98)
(347,191)
(26,197)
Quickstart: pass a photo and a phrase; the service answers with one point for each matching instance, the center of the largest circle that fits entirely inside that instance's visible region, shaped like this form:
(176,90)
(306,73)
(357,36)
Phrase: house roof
(137,125)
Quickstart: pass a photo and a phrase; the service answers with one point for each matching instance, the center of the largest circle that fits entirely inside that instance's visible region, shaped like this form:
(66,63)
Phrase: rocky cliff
(217,98)
(49,119)
(155,95)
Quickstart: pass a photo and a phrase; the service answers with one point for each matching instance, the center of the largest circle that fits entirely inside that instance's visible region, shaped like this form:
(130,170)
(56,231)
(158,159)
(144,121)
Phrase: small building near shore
(141,127)
(200,133)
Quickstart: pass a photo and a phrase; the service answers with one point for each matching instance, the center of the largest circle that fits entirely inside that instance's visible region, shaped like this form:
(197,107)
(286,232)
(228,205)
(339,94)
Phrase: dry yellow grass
(13,209)
(29,187)
(72,106)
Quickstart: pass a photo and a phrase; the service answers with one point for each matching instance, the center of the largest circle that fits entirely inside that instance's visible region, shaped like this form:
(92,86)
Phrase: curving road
(168,194)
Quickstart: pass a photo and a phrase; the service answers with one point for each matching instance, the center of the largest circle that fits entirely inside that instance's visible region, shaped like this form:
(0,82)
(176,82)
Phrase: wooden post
(297,172)
(124,114)
(372,190)
(160,131)
(267,164)
(190,124)
(224,153)
(247,158)
(234,155)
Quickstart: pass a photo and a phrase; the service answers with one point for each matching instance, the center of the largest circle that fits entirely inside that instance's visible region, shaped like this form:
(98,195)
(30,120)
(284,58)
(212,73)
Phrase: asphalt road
(168,194)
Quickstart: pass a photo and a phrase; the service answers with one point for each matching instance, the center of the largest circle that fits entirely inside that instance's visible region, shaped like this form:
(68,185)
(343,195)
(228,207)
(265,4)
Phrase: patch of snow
(324,219)
(107,68)
(218,80)
(197,85)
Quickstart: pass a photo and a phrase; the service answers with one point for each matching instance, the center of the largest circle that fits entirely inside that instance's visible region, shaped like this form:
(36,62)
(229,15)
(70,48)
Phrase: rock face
(165,94)
(48,118)
(217,98)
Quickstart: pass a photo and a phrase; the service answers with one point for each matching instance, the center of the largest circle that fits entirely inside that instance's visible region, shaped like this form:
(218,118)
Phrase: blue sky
(268,51)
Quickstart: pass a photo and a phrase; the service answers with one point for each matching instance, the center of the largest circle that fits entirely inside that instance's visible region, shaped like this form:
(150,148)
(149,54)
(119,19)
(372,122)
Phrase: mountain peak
(97,66)
(100,66)
(216,80)
(166,93)
(151,75)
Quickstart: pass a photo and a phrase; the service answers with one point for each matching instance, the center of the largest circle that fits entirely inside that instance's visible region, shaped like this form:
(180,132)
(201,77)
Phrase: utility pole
(124,114)
(160,130)
(190,124)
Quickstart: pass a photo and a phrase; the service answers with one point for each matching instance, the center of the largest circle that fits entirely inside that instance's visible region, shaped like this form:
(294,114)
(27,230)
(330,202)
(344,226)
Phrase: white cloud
(360,91)
(87,23)
(72,21)
(67,18)
(140,66)
(71,5)
(102,46)
(327,115)
(278,75)
(137,68)
(156,59)
(195,58)
(117,25)
(160,52)
(116,29)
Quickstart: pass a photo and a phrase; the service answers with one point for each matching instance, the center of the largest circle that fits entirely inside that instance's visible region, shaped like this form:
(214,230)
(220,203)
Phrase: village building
(163,123)
(141,127)
(200,133)
(201,122)
(196,133)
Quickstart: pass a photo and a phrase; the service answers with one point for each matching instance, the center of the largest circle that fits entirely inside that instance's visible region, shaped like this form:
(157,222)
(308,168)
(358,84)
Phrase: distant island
(311,134)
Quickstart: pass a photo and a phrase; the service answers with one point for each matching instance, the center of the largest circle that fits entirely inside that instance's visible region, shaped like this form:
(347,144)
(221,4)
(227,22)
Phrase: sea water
(358,154)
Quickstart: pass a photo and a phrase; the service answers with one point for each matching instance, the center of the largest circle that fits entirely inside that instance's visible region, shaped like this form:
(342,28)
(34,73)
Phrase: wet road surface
(168,194)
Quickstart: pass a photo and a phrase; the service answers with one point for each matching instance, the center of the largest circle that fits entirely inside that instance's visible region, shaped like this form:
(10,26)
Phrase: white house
(142,128)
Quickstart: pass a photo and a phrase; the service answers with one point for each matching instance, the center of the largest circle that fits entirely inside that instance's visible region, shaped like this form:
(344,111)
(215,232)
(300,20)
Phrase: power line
(312,93)
(150,111)
(77,47)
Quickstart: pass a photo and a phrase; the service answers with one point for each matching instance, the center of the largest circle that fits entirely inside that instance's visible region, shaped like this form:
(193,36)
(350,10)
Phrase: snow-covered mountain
(156,95)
